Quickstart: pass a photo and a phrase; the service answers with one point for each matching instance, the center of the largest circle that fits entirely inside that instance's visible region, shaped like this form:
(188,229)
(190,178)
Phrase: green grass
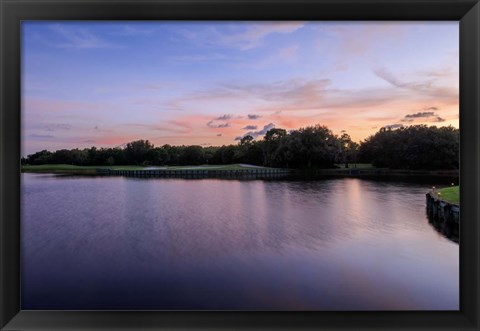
(58,168)
(450,194)
(68,168)
(55,167)
(214,167)
(127,167)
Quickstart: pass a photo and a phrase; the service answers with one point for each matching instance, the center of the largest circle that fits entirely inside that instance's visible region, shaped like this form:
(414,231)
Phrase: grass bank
(450,194)
(72,169)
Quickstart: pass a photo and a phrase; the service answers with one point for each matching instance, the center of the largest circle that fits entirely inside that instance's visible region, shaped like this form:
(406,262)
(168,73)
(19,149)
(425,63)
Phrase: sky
(105,84)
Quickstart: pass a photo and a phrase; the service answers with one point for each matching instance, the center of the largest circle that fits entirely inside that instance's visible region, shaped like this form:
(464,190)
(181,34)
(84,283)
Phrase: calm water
(126,243)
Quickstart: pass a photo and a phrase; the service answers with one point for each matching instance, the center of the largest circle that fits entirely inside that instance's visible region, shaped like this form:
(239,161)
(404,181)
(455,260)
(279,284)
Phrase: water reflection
(449,230)
(334,244)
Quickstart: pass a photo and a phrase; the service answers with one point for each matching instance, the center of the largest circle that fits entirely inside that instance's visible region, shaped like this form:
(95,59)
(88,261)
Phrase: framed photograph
(239,165)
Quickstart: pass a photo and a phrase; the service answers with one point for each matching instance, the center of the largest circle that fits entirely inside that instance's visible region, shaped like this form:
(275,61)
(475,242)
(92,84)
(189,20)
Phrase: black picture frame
(12,12)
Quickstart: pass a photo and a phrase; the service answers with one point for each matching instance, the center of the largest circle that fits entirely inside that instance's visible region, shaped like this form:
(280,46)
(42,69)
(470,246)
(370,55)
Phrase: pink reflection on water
(336,244)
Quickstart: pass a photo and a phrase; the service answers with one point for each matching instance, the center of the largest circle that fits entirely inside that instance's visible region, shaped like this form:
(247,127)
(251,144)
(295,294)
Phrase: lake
(153,243)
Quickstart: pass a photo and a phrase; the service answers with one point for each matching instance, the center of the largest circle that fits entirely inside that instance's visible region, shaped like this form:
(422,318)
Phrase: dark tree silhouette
(412,147)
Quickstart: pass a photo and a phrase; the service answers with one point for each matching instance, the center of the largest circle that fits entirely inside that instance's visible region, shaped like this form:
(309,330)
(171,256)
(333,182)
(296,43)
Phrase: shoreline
(240,172)
(444,215)
(385,172)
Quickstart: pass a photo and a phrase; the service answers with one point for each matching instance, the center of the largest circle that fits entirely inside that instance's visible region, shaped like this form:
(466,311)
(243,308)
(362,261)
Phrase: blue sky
(107,83)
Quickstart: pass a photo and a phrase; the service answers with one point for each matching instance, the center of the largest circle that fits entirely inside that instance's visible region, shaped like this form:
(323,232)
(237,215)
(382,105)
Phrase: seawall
(198,173)
(443,215)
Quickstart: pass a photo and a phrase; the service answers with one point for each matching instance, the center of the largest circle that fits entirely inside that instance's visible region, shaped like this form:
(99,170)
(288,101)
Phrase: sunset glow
(209,83)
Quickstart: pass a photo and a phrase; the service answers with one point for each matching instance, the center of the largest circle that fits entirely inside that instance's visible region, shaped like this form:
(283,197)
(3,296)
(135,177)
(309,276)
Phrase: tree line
(413,147)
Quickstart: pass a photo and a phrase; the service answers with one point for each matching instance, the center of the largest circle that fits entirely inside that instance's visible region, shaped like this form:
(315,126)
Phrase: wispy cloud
(422,87)
(356,41)
(250,127)
(358,38)
(78,38)
(168,126)
(279,57)
(319,94)
(389,77)
(57,126)
(188,59)
(41,136)
(292,89)
(254,35)
(289,93)
(133,30)
(240,36)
